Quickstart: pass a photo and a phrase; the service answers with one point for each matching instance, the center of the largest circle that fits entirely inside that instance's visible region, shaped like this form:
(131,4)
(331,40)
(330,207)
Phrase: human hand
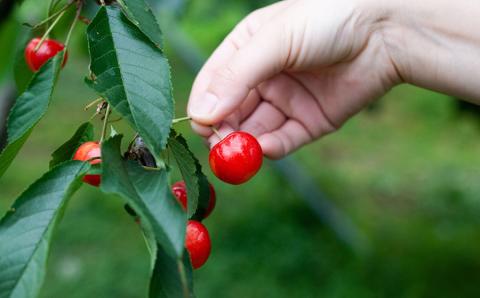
(292,72)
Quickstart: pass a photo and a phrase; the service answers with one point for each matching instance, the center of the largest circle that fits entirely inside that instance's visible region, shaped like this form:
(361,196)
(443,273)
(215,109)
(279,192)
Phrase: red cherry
(180,191)
(89,151)
(236,158)
(48,49)
(212,202)
(197,242)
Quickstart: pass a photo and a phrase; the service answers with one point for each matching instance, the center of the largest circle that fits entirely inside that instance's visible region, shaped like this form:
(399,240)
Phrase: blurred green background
(405,172)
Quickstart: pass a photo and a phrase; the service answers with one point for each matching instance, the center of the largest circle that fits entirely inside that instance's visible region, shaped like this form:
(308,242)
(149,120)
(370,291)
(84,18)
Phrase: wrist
(383,26)
(434,44)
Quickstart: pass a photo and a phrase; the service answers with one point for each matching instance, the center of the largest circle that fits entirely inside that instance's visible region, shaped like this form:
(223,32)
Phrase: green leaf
(22,72)
(140,14)
(198,190)
(65,152)
(151,244)
(186,164)
(148,193)
(204,192)
(171,278)
(26,230)
(29,109)
(132,74)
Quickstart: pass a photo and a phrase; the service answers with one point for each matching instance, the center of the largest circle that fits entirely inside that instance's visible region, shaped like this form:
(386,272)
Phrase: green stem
(49,30)
(72,26)
(53,15)
(183,278)
(96,101)
(105,121)
(181,119)
(53,4)
(49,11)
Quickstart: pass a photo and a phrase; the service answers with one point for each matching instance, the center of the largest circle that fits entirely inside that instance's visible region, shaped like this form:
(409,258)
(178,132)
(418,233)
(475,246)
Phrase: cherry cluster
(235,159)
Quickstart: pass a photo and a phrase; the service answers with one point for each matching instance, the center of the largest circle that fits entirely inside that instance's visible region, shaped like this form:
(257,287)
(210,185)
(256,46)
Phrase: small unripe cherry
(49,48)
(90,151)
(236,158)
(179,190)
(197,243)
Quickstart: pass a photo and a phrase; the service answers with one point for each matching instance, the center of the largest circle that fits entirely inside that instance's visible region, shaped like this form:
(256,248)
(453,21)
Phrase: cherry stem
(215,131)
(72,26)
(53,4)
(53,15)
(183,278)
(96,101)
(181,119)
(105,121)
(49,30)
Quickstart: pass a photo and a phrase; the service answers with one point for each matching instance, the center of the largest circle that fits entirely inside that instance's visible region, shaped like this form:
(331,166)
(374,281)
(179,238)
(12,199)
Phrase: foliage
(26,230)
(29,109)
(131,75)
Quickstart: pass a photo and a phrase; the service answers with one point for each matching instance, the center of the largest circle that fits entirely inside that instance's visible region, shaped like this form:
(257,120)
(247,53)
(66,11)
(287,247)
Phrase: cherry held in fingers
(49,48)
(179,189)
(236,158)
(89,151)
(197,242)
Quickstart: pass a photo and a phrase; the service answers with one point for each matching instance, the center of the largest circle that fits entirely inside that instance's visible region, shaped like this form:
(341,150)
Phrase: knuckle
(252,22)
(256,128)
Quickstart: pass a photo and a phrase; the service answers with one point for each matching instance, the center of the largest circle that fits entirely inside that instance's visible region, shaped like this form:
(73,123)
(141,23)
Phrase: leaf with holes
(132,74)
(26,230)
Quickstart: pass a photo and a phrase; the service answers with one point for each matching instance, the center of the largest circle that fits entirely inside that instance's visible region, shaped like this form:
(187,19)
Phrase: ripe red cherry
(197,242)
(180,191)
(48,49)
(89,151)
(236,158)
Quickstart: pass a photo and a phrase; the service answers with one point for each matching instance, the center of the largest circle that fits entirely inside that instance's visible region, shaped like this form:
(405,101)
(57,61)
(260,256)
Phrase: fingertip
(272,146)
(213,140)
(202,108)
(201,130)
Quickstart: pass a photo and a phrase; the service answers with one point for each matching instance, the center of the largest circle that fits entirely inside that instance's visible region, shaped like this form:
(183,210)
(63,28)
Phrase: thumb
(230,82)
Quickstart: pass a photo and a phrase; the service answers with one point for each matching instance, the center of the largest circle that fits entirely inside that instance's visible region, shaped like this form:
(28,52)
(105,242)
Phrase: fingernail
(205,106)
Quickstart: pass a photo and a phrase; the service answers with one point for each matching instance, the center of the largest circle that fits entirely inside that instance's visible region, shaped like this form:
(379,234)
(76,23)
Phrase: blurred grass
(405,172)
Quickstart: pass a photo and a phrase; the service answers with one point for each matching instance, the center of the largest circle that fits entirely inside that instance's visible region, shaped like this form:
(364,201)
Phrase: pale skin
(297,70)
